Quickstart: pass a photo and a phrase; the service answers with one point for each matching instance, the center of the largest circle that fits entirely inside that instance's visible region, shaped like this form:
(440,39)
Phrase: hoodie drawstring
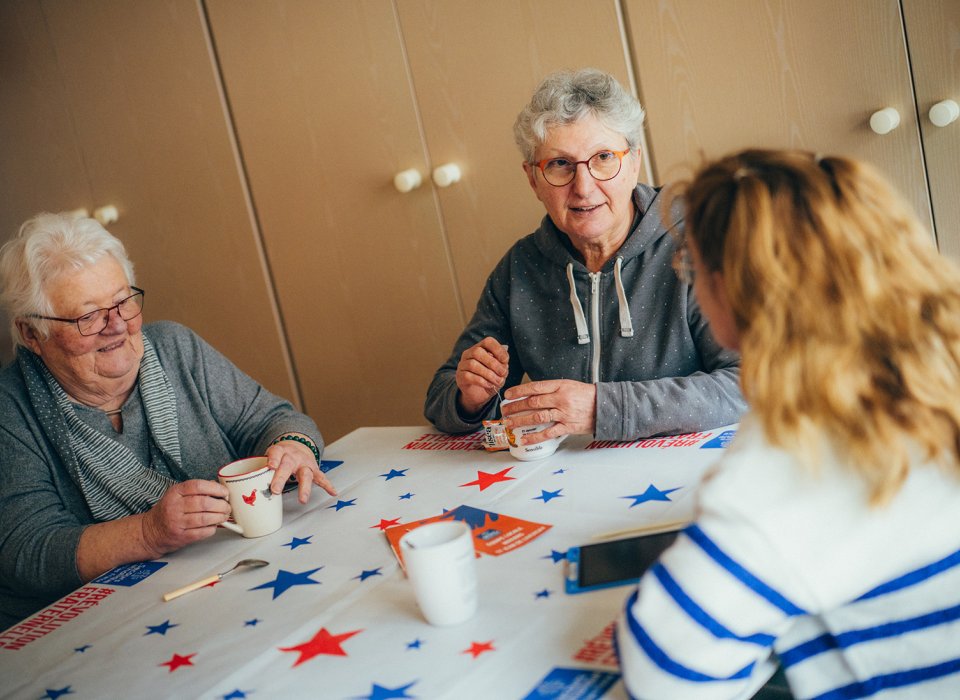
(626,324)
(583,335)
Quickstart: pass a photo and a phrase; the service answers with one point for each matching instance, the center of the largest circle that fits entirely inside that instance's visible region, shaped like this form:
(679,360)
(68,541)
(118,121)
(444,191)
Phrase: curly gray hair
(565,97)
(45,247)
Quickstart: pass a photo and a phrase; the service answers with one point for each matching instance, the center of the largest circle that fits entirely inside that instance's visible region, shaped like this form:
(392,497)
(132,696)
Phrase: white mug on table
(256,510)
(439,560)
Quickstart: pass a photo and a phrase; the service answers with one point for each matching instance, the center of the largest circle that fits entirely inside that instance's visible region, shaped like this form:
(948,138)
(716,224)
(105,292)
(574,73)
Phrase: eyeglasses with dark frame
(602,166)
(95,321)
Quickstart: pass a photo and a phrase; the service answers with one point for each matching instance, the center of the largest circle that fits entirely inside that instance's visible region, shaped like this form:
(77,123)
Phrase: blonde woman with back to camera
(828,536)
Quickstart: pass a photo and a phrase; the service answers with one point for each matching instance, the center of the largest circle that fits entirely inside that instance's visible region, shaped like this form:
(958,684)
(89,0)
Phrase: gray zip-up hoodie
(633,329)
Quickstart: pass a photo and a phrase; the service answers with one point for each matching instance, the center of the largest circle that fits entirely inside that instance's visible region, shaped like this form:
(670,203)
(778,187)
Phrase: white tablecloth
(332,616)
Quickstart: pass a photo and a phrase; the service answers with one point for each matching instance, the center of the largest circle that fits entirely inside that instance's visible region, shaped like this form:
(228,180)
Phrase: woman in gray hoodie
(588,305)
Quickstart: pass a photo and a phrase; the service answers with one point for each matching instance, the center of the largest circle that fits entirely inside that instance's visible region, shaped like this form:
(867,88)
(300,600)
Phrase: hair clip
(740,174)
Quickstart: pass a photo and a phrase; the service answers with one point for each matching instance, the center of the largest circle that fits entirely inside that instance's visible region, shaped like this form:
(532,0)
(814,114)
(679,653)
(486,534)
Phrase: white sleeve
(701,624)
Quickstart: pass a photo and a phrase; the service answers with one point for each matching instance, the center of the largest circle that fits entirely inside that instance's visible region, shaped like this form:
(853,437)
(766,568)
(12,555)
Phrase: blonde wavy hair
(849,319)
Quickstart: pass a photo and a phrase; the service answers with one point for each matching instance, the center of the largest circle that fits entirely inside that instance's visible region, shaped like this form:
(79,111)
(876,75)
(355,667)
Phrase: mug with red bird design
(256,510)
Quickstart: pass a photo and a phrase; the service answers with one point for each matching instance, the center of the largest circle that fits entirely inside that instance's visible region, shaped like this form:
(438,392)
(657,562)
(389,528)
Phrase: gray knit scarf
(114,482)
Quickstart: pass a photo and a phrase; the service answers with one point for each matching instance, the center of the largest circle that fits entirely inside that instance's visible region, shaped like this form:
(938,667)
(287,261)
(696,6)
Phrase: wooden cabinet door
(933,34)
(145,110)
(330,100)
(720,76)
(325,117)
(474,66)
(42,167)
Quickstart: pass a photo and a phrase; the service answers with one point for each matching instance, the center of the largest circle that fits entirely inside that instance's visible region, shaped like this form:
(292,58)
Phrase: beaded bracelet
(302,441)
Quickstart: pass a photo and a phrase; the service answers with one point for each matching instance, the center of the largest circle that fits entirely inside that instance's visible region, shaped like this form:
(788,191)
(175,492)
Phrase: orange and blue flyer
(493,533)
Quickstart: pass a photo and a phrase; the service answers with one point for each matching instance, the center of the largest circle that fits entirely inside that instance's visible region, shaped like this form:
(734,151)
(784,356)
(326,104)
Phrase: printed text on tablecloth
(52,617)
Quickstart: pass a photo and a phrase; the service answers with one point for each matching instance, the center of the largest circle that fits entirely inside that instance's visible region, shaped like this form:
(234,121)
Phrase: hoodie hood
(555,245)
(646,231)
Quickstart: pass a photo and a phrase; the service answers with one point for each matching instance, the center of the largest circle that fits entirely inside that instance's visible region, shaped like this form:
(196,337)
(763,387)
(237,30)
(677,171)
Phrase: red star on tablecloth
(177,661)
(484,479)
(384,524)
(478,648)
(322,643)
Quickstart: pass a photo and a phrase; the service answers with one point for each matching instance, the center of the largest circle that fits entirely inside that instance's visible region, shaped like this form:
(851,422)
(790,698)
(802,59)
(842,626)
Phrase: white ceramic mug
(439,561)
(256,510)
(526,453)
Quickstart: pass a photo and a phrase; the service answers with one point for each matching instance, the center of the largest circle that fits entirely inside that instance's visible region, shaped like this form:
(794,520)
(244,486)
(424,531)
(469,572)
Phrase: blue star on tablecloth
(547,496)
(328,464)
(286,580)
(651,494)
(82,649)
(379,692)
(365,574)
(542,594)
(67,690)
(298,542)
(161,629)
(406,496)
(556,556)
(252,623)
(236,694)
(415,644)
(343,504)
(474,517)
(393,473)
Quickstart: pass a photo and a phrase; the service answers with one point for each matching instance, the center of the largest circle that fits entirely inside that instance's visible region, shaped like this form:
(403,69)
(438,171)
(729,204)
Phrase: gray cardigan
(224,415)
(668,377)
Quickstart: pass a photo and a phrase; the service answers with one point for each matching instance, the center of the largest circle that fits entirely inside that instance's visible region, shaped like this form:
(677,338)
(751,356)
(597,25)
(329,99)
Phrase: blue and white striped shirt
(856,601)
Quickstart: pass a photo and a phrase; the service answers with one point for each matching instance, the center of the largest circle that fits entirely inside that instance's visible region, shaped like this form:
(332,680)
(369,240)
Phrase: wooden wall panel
(145,106)
(933,35)
(474,66)
(42,167)
(716,77)
(325,118)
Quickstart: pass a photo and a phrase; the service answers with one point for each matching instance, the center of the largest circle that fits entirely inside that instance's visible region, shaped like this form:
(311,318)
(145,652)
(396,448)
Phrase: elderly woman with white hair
(587,305)
(112,431)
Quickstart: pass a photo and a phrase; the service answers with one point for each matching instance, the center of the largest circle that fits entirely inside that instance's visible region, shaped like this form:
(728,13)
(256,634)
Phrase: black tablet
(614,562)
